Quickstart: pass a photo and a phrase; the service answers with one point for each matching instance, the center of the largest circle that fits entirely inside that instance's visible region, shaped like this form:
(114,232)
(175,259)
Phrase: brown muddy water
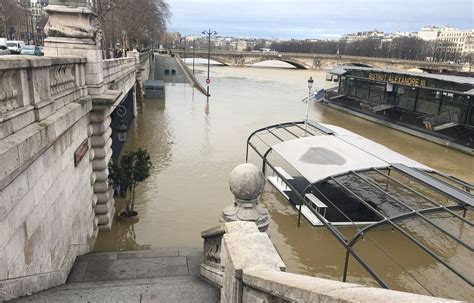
(194,145)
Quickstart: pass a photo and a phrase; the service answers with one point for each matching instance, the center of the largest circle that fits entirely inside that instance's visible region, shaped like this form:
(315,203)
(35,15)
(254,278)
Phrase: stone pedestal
(74,31)
(246,183)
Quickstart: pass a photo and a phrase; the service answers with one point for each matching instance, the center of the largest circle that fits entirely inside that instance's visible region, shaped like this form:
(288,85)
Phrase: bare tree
(12,18)
(132,23)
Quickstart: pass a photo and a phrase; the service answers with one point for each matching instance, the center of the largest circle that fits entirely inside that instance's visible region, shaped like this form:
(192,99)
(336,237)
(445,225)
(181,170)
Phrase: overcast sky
(315,18)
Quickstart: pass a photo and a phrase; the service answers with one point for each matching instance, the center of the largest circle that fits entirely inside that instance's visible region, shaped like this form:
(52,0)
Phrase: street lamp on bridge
(209,33)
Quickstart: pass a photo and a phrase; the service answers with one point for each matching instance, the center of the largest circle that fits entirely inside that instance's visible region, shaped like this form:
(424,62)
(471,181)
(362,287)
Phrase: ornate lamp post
(310,86)
(209,33)
(121,128)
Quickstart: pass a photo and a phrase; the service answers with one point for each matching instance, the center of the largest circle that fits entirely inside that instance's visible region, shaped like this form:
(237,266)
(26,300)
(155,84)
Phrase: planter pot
(131,216)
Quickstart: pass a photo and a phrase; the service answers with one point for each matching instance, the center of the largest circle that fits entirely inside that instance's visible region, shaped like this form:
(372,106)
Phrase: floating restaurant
(436,107)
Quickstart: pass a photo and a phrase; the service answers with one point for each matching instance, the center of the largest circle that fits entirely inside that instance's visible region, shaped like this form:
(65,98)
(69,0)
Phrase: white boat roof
(321,156)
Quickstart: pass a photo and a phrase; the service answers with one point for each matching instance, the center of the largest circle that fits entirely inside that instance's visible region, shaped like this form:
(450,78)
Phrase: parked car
(41,50)
(15,46)
(32,50)
(4,50)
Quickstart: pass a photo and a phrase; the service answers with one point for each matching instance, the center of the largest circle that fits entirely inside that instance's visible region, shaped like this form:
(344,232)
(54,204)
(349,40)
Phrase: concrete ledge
(299,288)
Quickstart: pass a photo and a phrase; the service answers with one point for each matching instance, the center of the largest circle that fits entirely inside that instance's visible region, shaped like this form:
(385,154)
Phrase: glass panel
(362,89)
(428,101)
(406,97)
(455,106)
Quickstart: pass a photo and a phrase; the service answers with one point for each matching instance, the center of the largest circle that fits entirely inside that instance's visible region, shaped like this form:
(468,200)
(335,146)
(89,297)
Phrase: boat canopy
(318,157)
(340,175)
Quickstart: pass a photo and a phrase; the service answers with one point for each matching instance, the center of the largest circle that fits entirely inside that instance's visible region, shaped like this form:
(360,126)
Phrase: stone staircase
(164,275)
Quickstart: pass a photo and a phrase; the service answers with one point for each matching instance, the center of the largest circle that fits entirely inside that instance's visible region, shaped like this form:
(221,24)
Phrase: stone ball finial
(246,182)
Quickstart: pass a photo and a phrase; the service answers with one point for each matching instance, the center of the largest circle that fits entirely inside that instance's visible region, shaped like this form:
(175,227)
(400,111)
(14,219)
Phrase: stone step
(166,289)
(160,275)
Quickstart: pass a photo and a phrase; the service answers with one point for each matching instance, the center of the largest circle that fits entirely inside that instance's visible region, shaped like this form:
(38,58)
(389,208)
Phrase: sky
(300,19)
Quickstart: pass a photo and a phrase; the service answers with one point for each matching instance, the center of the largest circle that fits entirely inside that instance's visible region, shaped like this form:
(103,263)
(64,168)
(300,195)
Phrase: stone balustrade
(31,89)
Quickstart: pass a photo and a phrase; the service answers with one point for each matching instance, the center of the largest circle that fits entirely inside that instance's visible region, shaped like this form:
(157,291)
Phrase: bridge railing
(115,69)
(34,88)
(186,53)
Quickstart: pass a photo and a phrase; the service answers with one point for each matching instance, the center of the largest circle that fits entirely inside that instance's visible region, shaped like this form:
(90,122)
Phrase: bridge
(310,61)
(57,135)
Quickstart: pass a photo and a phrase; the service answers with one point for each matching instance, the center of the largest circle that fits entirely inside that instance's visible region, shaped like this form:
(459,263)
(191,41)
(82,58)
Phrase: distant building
(375,34)
(454,44)
(429,33)
(31,29)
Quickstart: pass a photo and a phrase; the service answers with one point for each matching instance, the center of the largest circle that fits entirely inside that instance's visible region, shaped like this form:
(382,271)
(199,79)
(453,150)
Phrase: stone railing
(34,88)
(115,70)
(211,267)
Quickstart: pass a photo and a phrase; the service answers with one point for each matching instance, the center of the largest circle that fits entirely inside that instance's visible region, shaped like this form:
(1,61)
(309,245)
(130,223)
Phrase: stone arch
(204,56)
(295,63)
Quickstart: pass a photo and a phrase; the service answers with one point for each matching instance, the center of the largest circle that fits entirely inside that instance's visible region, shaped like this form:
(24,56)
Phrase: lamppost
(121,128)
(209,34)
(194,50)
(310,85)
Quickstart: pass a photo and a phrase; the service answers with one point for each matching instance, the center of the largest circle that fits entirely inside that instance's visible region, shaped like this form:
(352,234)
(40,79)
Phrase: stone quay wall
(46,197)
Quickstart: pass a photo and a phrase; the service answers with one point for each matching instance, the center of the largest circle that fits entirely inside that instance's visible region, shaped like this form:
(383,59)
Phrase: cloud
(315,18)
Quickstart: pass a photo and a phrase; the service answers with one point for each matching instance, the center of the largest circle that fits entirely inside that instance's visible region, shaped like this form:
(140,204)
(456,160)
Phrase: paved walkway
(164,275)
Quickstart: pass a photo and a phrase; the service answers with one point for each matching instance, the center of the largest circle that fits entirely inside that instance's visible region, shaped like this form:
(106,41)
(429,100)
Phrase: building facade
(454,44)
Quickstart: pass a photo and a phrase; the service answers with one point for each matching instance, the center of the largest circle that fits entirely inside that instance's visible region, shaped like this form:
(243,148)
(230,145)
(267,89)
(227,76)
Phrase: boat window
(428,101)
(362,90)
(406,97)
(445,85)
(455,107)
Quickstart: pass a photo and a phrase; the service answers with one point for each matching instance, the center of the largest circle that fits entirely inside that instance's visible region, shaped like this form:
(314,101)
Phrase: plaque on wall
(80,152)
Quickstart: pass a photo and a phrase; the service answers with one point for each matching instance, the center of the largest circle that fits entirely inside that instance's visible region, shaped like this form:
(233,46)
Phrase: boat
(330,173)
(336,178)
(435,107)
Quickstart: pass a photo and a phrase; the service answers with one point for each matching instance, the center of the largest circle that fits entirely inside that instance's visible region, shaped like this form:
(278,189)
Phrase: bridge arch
(218,59)
(293,62)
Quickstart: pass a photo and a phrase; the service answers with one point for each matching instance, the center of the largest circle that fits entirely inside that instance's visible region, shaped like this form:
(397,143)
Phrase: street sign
(208,81)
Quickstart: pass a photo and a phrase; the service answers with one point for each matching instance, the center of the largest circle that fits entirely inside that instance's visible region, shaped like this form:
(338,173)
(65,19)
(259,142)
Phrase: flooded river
(194,144)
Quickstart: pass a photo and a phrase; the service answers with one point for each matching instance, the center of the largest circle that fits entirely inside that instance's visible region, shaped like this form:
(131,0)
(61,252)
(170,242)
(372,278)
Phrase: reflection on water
(194,144)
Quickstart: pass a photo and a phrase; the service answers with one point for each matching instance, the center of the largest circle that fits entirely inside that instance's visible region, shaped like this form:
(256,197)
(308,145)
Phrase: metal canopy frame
(460,198)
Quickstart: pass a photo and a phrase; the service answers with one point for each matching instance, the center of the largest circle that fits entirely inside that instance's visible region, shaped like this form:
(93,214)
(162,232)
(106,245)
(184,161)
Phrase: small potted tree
(133,168)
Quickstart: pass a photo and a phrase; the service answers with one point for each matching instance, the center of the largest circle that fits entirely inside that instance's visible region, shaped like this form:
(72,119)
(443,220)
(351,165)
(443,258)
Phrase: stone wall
(46,200)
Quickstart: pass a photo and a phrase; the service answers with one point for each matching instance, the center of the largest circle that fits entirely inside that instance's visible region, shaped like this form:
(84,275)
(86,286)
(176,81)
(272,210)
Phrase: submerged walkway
(163,275)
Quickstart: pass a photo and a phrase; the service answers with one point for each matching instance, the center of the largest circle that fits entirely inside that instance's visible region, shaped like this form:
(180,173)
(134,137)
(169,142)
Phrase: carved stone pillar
(101,143)
(246,184)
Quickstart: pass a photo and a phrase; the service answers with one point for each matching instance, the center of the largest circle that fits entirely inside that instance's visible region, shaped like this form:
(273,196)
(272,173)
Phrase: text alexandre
(409,81)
